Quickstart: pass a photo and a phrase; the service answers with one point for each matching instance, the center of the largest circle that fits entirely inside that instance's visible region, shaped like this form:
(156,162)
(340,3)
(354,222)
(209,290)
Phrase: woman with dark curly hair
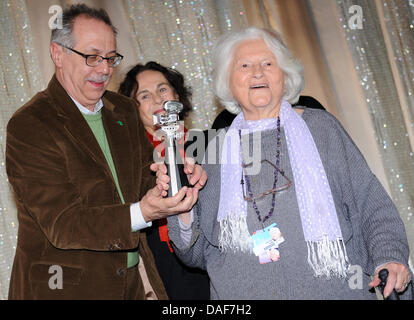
(169,85)
(150,85)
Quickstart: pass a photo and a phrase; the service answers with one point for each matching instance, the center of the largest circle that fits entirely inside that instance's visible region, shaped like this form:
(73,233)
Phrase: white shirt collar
(84,110)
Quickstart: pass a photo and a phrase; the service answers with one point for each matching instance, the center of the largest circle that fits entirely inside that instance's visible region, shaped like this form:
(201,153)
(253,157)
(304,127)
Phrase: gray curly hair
(64,35)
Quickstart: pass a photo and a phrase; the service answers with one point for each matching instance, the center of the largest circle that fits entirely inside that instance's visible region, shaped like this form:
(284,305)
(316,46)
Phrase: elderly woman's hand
(398,278)
(197,177)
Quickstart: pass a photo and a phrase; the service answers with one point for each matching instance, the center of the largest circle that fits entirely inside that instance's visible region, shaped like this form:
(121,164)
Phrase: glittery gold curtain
(177,33)
(370,90)
(293,20)
(180,34)
(20,79)
(382,48)
(398,29)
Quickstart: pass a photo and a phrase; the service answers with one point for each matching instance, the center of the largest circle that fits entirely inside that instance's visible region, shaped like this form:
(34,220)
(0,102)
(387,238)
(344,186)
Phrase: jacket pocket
(51,281)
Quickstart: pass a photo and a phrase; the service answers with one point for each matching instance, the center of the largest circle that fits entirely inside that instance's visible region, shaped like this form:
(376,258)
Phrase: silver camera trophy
(169,126)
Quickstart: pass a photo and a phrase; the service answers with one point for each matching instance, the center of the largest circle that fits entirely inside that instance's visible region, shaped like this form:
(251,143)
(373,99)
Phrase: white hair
(223,55)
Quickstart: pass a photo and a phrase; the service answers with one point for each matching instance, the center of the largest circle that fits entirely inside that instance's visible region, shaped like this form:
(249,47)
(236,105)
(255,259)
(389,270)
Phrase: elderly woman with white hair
(301,218)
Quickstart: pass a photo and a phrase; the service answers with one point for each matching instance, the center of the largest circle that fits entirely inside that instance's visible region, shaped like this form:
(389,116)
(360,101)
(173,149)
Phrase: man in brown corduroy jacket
(78,160)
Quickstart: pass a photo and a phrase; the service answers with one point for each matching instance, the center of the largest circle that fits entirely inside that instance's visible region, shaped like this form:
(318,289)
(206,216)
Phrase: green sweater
(96,125)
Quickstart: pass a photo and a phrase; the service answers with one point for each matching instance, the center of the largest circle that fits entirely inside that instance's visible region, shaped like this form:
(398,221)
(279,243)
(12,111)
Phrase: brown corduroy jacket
(69,211)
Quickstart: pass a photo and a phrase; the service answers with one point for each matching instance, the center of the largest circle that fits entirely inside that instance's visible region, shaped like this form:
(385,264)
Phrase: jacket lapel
(73,122)
(77,128)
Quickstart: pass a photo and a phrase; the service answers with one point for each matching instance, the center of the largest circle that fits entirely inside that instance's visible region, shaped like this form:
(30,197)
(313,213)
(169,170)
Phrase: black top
(225,118)
(181,282)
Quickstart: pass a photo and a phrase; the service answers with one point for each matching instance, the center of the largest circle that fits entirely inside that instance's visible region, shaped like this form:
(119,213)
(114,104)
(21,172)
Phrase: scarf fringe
(328,258)
(234,234)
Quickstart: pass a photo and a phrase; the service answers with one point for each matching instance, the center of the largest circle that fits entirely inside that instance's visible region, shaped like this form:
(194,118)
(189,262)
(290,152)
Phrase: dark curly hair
(129,86)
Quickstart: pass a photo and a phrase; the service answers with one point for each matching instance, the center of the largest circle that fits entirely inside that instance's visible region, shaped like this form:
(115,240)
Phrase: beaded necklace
(256,209)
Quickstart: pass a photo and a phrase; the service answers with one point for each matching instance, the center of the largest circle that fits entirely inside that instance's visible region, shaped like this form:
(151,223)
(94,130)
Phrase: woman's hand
(398,278)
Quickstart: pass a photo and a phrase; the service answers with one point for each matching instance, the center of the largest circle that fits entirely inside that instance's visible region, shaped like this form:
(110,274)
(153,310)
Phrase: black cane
(383,275)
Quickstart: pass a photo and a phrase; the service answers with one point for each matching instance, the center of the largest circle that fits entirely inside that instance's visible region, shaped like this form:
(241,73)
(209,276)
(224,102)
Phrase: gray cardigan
(371,227)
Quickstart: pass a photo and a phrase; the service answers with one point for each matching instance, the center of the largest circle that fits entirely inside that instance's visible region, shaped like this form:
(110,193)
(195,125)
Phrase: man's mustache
(102,78)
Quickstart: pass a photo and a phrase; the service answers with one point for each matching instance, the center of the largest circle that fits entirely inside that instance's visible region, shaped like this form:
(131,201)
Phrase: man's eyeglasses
(286,186)
(93,60)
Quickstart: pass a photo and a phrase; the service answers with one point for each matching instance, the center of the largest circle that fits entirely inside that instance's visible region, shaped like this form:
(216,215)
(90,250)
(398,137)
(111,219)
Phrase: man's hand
(155,206)
(398,278)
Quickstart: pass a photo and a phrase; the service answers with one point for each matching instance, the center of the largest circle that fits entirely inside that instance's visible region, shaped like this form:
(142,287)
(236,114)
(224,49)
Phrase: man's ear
(56,53)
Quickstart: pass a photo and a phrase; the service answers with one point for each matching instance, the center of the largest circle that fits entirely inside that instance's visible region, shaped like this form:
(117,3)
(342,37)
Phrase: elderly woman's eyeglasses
(93,60)
(259,196)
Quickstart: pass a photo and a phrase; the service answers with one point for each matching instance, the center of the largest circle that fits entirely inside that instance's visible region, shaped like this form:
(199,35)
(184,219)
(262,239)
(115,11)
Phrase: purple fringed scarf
(326,250)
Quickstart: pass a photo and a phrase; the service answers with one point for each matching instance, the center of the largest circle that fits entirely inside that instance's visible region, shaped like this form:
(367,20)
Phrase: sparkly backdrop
(391,114)
(177,33)
(180,33)
(181,36)
(20,79)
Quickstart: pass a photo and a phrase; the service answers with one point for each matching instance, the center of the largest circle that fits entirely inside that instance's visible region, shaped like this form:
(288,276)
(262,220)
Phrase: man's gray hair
(223,55)
(64,35)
